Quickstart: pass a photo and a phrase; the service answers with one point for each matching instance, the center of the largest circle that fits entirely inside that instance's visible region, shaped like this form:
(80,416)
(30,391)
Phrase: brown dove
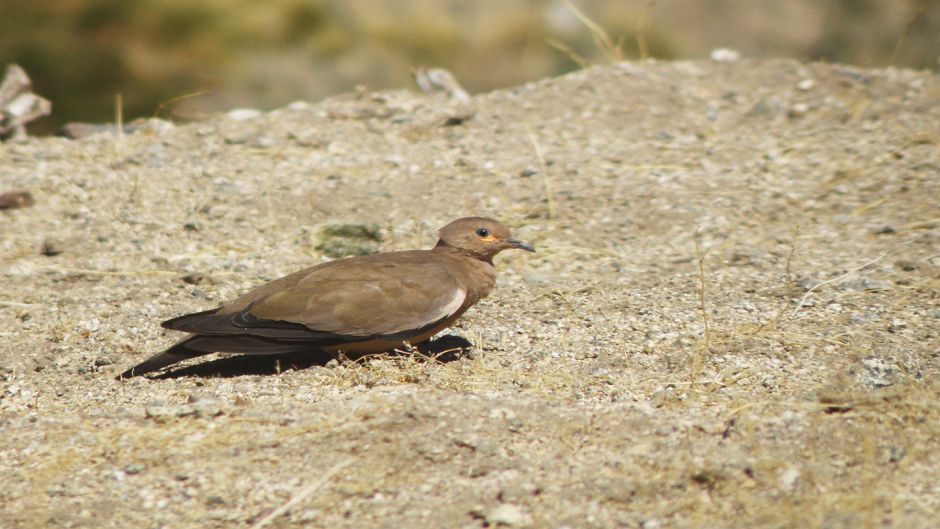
(363,304)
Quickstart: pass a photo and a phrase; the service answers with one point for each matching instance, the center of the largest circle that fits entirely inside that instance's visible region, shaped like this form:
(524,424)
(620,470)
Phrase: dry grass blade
(706,344)
(641,24)
(88,271)
(17,304)
(162,106)
(601,39)
(581,60)
(833,280)
(303,494)
(921,224)
(543,170)
(919,11)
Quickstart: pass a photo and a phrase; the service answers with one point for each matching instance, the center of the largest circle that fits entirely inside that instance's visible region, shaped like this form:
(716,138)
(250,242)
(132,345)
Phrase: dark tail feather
(199,345)
(174,354)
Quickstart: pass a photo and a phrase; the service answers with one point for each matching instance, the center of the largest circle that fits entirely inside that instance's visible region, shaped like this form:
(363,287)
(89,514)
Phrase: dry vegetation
(791,206)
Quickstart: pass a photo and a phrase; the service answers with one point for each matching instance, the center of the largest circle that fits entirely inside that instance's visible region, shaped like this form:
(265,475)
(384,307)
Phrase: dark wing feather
(213,323)
(185,322)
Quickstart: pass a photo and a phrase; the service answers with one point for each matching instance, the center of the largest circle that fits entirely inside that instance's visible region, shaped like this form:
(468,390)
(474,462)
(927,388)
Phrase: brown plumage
(362,304)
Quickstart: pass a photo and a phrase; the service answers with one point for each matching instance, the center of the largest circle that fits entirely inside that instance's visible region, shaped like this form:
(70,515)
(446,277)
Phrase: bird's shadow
(447,348)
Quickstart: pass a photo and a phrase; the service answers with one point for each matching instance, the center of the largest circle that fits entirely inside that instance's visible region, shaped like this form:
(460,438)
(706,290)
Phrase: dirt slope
(594,397)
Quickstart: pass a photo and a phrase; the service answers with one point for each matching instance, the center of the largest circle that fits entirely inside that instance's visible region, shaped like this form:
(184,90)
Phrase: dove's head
(479,237)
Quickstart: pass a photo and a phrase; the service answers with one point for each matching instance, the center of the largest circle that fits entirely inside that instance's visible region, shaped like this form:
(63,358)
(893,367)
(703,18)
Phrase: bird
(358,305)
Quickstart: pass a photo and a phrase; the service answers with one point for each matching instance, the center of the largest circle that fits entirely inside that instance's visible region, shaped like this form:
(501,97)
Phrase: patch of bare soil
(732,319)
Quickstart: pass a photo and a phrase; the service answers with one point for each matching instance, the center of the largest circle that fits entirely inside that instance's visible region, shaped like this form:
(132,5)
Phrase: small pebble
(806,84)
(243,114)
(16,199)
(863,317)
(134,468)
(725,55)
(798,110)
(51,248)
(508,514)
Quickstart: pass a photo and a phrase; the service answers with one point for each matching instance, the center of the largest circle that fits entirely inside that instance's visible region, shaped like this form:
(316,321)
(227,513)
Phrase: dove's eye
(483,232)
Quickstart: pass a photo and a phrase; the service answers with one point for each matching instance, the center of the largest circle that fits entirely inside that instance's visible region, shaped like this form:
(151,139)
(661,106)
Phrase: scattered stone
(878,372)
(200,293)
(101,361)
(725,55)
(789,477)
(439,80)
(897,325)
(16,199)
(479,444)
(663,396)
(78,130)
(194,278)
(18,104)
(864,284)
(518,492)
(798,110)
(860,318)
(805,84)
(204,408)
(159,412)
(51,248)
(243,114)
(134,468)
(214,502)
(508,514)
(907,266)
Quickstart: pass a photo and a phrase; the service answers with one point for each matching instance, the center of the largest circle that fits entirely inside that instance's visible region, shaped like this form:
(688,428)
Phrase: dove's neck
(477,276)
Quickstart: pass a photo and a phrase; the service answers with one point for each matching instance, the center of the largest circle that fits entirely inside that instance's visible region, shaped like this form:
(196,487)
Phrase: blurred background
(180,59)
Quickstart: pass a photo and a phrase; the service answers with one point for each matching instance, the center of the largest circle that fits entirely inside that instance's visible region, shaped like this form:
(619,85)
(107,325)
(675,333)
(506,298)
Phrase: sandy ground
(598,392)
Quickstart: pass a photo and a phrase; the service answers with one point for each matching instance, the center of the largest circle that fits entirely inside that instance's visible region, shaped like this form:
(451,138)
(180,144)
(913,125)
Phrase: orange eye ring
(485,235)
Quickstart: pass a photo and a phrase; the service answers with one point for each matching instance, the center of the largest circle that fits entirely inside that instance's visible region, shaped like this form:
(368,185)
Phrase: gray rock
(860,318)
(878,372)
